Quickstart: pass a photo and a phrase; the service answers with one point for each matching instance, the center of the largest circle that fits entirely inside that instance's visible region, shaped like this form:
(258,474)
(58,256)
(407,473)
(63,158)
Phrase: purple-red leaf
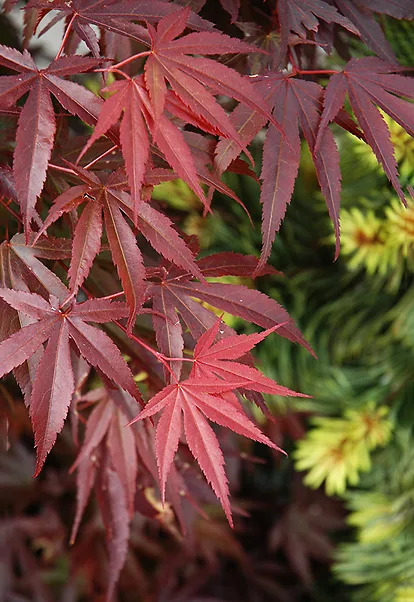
(37,124)
(100,310)
(22,344)
(299,16)
(100,351)
(86,244)
(123,454)
(127,258)
(52,393)
(369,81)
(54,381)
(34,141)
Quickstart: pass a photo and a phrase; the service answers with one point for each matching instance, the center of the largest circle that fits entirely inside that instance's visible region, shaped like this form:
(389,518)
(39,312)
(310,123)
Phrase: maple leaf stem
(160,357)
(11,211)
(107,152)
(126,61)
(156,354)
(65,37)
(64,169)
(297,71)
(113,296)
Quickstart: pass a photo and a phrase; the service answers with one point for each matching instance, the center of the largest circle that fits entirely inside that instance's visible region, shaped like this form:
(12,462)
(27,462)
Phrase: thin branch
(126,61)
(107,152)
(64,169)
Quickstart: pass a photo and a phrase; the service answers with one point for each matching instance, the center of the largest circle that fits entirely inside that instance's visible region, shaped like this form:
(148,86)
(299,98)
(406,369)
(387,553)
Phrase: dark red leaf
(369,81)
(52,392)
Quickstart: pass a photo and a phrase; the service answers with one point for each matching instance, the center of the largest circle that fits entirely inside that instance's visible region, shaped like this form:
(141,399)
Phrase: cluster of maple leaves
(159,117)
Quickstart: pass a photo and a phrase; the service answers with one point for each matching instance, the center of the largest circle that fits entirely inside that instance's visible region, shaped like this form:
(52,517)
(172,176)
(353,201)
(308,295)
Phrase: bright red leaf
(211,361)
(193,398)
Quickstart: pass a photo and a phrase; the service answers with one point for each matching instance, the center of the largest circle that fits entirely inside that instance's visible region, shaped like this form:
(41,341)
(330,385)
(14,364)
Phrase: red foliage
(162,114)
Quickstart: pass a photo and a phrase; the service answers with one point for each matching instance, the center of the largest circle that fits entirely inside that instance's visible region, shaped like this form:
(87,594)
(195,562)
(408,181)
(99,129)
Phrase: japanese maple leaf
(173,291)
(232,7)
(131,99)
(21,270)
(296,102)
(108,457)
(361,14)
(37,123)
(301,535)
(195,398)
(54,382)
(399,9)
(117,17)
(192,78)
(371,82)
(106,197)
(216,361)
(298,16)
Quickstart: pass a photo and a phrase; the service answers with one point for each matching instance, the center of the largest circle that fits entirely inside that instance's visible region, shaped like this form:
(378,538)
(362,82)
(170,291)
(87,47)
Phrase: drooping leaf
(86,244)
(127,257)
(36,127)
(371,82)
(195,397)
(301,16)
(232,7)
(52,392)
(114,508)
(400,9)
(54,382)
(123,454)
(118,18)
(369,28)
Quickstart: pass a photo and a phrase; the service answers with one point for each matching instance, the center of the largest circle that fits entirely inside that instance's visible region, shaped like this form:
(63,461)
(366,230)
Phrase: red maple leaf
(296,102)
(22,270)
(371,82)
(37,123)
(131,98)
(193,398)
(189,77)
(209,392)
(117,17)
(212,361)
(173,290)
(301,16)
(53,384)
(106,196)
(189,98)
(108,459)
